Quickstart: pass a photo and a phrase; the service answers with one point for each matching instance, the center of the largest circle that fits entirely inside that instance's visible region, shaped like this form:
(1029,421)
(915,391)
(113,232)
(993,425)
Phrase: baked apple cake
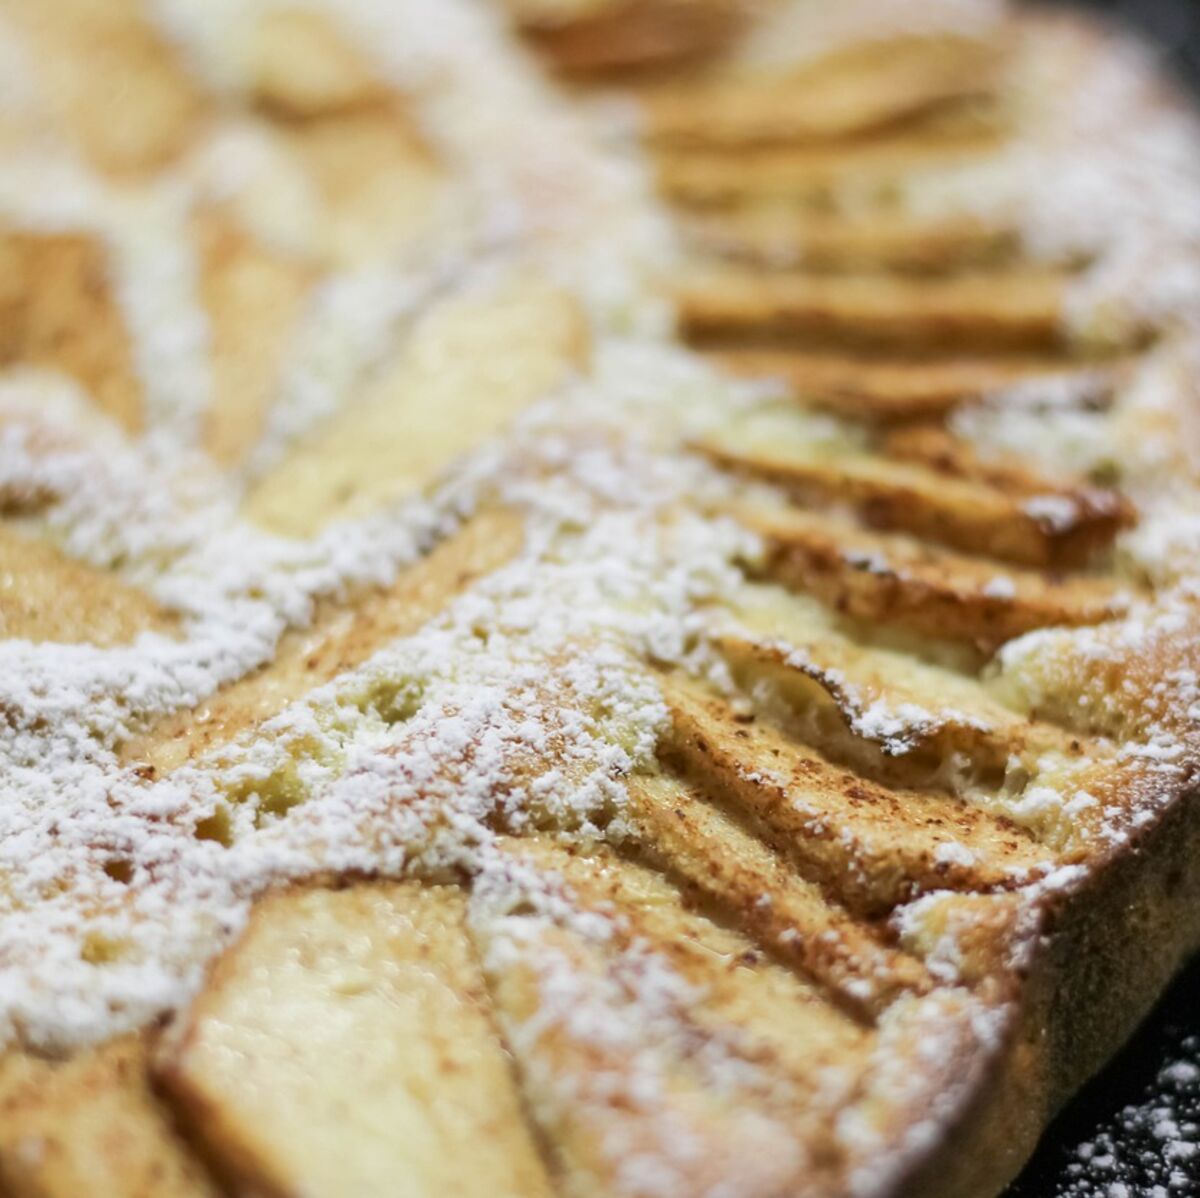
(599,597)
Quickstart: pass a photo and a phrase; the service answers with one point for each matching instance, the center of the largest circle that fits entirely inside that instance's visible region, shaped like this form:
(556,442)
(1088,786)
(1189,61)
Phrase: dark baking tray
(1136,1124)
(1135,1131)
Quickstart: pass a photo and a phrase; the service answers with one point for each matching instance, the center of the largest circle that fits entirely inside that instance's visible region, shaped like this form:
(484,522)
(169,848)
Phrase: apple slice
(345,1045)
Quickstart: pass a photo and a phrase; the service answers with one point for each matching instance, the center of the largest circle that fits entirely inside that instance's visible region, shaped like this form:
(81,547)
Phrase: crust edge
(1101,960)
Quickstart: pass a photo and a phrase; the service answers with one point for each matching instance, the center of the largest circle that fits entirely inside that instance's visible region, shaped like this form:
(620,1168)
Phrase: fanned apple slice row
(869,845)
(45,596)
(780,238)
(91,1124)
(1021,311)
(667,1039)
(344,1045)
(866,172)
(956,500)
(901,389)
(343,634)
(891,580)
(868,90)
(58,310)
(712,855)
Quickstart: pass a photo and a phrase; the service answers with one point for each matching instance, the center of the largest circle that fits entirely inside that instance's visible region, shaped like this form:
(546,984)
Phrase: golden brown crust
(1100,961)
(685,822)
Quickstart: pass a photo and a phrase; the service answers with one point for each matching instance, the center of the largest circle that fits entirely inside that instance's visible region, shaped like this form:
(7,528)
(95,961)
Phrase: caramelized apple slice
(871,845)
(954,499)
(344,1046)
(253,295)
(121,90)
(869,89)
(57,309)
(379,181)
(640,1029)
(1021,310)
(898,388)
(895,581)
(464,371)
(694,840)
(913,715)
(781,238)
(586,37)
(863,174)
(91,1124)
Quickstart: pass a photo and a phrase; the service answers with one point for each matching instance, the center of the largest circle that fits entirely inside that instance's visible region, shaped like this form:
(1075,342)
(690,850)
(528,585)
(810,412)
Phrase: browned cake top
(640,606)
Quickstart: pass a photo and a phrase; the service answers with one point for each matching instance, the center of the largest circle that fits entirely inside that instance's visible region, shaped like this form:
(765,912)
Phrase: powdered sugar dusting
(527,701)
(375,791)
(1148,1147)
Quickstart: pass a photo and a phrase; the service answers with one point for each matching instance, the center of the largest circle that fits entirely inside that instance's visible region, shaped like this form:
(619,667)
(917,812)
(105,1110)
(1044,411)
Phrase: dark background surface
(1172,25)
(1120,1138)
(1122,1129)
